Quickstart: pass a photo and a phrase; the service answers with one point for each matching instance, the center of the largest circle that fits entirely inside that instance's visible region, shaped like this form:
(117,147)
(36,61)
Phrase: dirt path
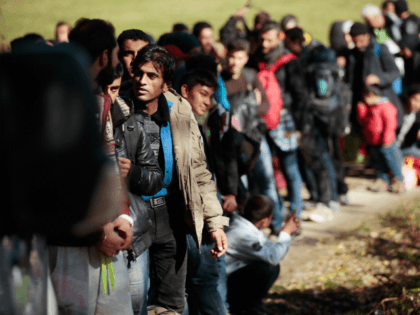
(363,206)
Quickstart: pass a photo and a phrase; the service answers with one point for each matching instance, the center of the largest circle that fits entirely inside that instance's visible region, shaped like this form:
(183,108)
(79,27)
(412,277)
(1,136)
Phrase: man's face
(414,102)
(361,41)
(269,41)
(106,75)
(148,83)
(295,46)
(113,89)
(236,61)
(129,51)
(377,21)
(206,39)
(62,33)
(200,98)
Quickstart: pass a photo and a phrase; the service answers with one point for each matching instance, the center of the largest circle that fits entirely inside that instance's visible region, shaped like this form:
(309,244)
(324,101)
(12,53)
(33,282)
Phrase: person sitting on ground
(409,134)
(378,119)
(252,261)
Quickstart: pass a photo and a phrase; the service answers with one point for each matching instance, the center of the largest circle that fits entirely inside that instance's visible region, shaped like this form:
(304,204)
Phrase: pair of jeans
(138,272)
(168,255)
(320,167)
(247,286)
(290,168)
(387,160)
(263,182)
(203,280)
(414,150)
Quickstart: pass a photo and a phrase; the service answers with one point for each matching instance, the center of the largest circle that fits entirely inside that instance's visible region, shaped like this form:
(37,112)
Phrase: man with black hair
(80,276)
(189,195)
(282,136)
(252,260)
(180,27)
(130,43)
(371,64)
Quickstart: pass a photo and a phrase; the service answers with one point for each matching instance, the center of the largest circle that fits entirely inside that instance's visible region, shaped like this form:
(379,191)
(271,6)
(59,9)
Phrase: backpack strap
(282,61)
(377,50)
(250,76)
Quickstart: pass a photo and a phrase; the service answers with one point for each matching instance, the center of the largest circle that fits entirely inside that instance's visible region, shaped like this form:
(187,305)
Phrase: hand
(241,12)
(407,53)
(372,79)
(386,145)
(418,135)
(221,241)
(125,165)
(292,225)
(229,203)
(124,231)
(110,243)
(258,96)
(341,61)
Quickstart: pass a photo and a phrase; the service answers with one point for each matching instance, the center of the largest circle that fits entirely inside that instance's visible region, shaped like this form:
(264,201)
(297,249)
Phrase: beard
(106,76)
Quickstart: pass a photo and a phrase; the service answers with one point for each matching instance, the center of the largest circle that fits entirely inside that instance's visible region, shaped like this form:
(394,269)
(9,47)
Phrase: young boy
(252,261)
(378,119)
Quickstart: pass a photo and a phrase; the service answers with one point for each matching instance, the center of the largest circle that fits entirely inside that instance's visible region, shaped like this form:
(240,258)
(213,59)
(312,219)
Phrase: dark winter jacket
(145,176)
(362,64)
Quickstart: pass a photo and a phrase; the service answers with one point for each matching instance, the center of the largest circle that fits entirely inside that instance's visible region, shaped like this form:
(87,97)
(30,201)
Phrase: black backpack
(329,97)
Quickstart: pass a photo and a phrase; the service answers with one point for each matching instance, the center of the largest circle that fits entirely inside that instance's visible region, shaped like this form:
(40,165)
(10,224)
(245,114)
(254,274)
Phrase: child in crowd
(378,119)
(252,261)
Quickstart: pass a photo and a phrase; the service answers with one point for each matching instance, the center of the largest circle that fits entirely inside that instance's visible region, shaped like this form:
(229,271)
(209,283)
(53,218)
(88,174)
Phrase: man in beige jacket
(188,202)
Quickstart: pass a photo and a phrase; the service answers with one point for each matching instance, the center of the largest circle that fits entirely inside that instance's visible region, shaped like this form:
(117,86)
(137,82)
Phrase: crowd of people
(192,129)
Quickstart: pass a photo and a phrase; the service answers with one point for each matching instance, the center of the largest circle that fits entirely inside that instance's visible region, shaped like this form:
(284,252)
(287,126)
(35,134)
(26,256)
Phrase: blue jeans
(387,160)
(263,179)
(138,273)
(414,150)
(202,280)
(290,168)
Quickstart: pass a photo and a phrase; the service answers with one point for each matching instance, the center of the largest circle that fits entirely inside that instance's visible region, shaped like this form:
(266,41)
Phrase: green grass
(158,16)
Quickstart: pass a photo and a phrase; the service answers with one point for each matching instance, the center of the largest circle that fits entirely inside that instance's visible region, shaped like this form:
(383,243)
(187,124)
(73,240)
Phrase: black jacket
(361,64)
(145,176)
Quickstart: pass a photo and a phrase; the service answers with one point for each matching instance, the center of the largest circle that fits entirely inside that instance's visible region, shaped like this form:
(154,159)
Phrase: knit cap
(370,10)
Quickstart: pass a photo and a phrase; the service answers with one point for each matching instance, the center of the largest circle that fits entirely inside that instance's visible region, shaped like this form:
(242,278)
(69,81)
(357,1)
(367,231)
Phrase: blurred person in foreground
(94,280)
(188,200)
(252,260)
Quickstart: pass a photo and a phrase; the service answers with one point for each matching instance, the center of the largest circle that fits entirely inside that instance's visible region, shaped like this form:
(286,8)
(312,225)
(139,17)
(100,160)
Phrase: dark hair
(34,36)
(199,76)
(270,25)
(257,208)
(198,27)
(294,34)
(202,62)
(239,45)
(401,6)
(385,3)
(119,71)
(94,35)
(287,19)
(133,34)
(261,17)
(180,27)
(159,57)
(359,29)
(372,89)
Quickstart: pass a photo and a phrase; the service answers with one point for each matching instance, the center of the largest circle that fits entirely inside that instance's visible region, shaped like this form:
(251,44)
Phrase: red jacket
(379,122)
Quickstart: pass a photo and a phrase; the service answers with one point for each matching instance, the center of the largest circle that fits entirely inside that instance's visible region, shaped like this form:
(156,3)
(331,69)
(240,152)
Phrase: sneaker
(344,200)
(320,214)
(397,186)
(379,185)
(334,205)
